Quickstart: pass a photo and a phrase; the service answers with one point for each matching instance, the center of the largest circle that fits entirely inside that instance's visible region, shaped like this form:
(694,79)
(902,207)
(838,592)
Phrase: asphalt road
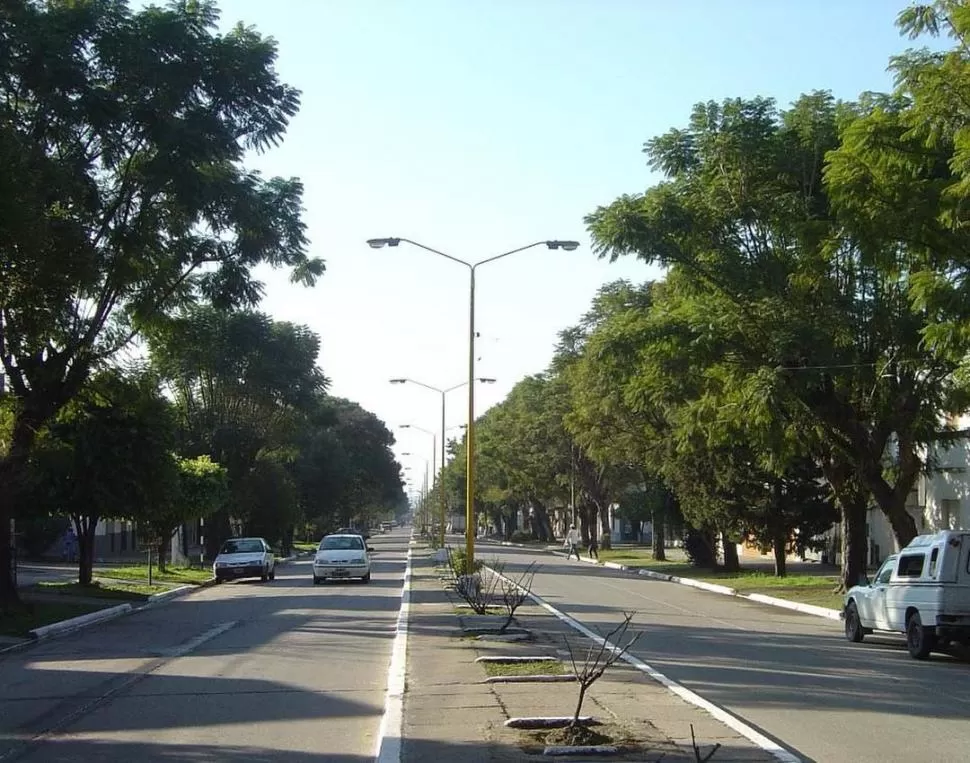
(794,677)
(244,671)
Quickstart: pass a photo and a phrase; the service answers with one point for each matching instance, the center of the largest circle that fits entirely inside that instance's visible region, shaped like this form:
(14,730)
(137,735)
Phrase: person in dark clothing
(593,548)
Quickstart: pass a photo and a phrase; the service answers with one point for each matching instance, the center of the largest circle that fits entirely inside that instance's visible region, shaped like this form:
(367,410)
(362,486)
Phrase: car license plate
(340,573)
(237,572)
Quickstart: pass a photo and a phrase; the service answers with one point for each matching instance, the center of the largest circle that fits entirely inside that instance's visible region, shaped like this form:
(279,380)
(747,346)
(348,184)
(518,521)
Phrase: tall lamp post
(378,243)
(441,473)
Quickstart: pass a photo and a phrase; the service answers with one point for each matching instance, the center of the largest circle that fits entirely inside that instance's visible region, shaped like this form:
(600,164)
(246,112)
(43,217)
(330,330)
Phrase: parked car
(923,592)
(342,556)
(244,558)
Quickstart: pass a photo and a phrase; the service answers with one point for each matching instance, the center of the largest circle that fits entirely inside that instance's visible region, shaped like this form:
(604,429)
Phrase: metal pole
(441,481)
(470,437)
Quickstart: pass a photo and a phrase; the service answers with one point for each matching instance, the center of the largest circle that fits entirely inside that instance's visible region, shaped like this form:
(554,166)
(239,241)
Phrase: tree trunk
(853,498)
(12,479)
(779,546)
(730,553)
(891,499)
(217,531)
(587,521)
(606,535)
(854,551)
(583,686)
(161,553)
(657,540)
(84,528)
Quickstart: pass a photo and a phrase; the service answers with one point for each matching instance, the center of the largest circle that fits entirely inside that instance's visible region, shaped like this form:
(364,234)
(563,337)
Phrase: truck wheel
(853,626)
(919,640)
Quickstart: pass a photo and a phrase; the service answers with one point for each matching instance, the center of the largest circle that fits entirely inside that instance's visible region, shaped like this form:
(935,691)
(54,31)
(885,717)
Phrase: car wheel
(316,580)
(272,573)
(265,576)
(919,640)
(853,626)
(366,578)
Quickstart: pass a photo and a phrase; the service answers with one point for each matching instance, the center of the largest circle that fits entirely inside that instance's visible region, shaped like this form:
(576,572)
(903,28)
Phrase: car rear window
(911,565)
(342,543)
(241,547)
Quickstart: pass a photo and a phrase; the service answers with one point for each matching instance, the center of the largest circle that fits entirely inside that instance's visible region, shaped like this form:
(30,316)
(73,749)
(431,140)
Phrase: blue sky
(478,126)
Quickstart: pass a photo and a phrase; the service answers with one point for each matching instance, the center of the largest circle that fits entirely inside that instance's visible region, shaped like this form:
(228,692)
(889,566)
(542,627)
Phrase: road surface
(244,671)
(791,676)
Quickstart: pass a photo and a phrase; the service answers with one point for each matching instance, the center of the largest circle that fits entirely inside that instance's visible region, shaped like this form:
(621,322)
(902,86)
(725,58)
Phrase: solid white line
(753,735)
(391,731)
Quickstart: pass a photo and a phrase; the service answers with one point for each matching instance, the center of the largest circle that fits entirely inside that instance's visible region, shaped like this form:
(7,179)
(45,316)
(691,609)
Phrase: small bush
(699,548)
(458,561)
(520,537)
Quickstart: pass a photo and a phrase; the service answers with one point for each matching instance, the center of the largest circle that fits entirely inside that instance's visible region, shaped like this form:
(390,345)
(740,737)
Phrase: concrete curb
(772,601)
(83,621)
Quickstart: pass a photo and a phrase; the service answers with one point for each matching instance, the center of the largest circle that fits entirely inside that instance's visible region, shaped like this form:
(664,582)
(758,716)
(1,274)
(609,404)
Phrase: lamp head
(380,243)
(569,246)
(398,381)
(486,380)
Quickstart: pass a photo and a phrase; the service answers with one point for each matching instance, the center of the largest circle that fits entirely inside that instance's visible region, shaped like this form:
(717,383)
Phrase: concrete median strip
(771,747)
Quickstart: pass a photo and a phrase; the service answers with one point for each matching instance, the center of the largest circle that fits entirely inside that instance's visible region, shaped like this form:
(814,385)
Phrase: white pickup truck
(923,591)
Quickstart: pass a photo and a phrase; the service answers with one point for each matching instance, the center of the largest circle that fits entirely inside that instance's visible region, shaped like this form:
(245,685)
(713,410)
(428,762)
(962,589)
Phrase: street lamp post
(378,243)
(441,478)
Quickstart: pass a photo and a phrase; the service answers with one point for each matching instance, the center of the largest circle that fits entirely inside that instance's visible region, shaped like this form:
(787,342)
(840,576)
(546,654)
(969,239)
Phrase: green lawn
(42,613)
(102,589)
(539,668)
(139,572)
(798,586)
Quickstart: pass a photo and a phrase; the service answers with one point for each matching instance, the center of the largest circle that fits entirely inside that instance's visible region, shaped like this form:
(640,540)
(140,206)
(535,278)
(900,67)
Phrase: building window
(949,512)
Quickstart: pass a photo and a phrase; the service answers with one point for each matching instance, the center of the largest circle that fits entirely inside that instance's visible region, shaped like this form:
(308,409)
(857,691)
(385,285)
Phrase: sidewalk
(451,713)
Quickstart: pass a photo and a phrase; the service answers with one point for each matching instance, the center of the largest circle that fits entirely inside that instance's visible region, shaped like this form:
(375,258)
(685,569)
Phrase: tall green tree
(345,471)
(109,454)
(243,386)
(800,329)
(123,194)
(202,489)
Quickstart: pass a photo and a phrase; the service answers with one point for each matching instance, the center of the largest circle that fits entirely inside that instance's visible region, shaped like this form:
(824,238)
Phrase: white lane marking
(190,646)
(752,735)
(391,730)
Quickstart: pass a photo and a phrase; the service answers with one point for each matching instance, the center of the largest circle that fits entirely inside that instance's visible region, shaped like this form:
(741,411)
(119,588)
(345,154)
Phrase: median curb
(772,601)
(76,623)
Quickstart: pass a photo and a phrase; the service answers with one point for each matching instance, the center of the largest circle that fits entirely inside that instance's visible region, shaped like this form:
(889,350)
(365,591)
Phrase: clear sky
(477,126)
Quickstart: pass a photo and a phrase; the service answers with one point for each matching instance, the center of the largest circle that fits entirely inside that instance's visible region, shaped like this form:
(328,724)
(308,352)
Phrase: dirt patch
(577,736)
(640,742)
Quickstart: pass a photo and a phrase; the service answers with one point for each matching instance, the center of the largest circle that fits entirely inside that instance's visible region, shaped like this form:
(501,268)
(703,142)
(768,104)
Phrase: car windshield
(341,543)
(244,546)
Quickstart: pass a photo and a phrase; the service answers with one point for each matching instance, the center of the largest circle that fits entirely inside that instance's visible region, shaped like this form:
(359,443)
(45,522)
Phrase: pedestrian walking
(593,548)
(572,541)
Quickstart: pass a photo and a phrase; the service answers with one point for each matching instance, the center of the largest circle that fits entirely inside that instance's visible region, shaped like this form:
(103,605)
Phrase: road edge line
(391,731)
(717,712)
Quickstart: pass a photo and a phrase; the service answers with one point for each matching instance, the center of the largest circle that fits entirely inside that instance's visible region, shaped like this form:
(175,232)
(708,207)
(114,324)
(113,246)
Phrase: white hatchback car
(244,558)
(342,556)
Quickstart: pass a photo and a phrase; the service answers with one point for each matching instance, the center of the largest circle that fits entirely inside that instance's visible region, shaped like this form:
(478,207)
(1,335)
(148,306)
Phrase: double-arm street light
(441,472)
(378,243)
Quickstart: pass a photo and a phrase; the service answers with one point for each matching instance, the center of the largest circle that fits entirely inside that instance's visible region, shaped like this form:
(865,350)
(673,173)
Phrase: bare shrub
(697,750)
(599,658)
(515,592)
